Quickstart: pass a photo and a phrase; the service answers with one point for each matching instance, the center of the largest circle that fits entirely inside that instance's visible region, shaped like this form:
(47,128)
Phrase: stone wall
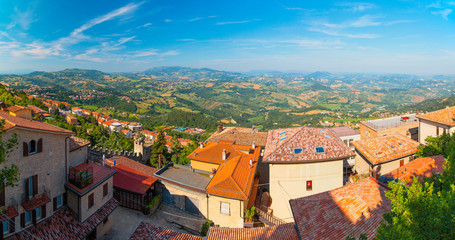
(95,154)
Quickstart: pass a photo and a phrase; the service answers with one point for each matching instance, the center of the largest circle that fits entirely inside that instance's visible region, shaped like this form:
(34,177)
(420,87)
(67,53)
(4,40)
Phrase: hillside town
(241,183)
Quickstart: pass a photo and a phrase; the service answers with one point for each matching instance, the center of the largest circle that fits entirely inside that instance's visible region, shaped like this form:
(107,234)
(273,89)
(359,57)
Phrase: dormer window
(297,150)
(32,147)
(320,150)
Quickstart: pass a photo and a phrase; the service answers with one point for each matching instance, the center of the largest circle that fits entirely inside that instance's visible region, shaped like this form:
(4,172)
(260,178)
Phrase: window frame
(35,145)
(30,217)
(228,208)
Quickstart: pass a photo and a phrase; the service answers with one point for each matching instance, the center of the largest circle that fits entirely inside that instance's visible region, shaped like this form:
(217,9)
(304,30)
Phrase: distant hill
(429,105)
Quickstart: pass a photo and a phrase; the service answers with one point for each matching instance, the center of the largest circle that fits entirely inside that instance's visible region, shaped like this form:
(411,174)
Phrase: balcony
(81,178)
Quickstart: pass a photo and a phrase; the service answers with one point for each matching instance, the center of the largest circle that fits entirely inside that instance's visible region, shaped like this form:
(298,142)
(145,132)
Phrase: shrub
(205,227)
(249,213)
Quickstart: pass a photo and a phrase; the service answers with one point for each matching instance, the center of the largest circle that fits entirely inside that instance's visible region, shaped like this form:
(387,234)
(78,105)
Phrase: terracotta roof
(147,231)
(353,209)
(35,109)
(420,167)
(444,116)
(76,143)
(234,178)
(8,212)
(100,174)
(16,108)
(381,149)
(343,131)
(147,170)
(282,232)
(64,224)
(36,202)
(134,181)
(212,152)
(241,136)
(304,144)
(12,121)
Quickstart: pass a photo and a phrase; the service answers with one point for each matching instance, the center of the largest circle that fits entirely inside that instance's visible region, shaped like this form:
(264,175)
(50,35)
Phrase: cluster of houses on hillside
(300,183)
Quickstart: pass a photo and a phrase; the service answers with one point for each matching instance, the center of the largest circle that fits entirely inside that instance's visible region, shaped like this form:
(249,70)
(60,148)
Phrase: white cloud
(357,6)
(235,22)
(443,13)
(341,34)
(23,19)
(86,57)
(146,53)
(294,8)
(170,53)
(200,18)
(167,20)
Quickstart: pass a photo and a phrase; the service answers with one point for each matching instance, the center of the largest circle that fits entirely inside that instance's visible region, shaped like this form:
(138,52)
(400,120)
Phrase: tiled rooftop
(212,152)
(344,131)
(381,149)
(36,202)
(100,174)
(147,231)
(391,122)
(234,178)
(132,180)
(420,167)
(282,232)
(444,116)
(8,212)
(64,225)
(241,136)
(353,209)
(76,143)
(16,108)
(299,145)
(12,121)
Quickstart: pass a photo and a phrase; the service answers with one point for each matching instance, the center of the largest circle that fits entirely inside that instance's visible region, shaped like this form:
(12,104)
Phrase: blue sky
(113,36)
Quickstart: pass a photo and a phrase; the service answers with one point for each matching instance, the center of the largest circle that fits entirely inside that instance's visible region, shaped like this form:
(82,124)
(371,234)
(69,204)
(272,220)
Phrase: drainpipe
(208,217)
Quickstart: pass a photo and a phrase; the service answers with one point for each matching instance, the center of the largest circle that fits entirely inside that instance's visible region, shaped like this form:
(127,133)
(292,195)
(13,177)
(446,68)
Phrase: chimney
(223,156)
(254,145)
(220,128)
(201,145)
(159,161)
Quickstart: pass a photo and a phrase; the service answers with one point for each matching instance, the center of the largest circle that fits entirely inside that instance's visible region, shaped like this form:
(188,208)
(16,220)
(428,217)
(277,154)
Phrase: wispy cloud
(200,18)
(170,53)
(155,52)
(86,57)
(167,20)
(294,8)
(443,13)
(235,22)
(342,34)
(357,6)
(22,18)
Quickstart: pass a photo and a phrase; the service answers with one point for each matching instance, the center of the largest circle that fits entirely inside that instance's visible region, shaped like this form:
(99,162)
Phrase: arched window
(32,146)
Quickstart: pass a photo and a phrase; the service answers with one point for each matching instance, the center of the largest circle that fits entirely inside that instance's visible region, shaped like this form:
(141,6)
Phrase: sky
(416,37)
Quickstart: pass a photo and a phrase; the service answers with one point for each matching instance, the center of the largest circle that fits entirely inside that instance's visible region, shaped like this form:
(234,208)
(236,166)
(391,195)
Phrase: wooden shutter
(105,189)
(2,195)
(43,211)
(54,201)
(35,185)
(23,220)
(40,145)
(27,186)
(12,225)
(25,147)
(1,232)
(64,199)
(34,216)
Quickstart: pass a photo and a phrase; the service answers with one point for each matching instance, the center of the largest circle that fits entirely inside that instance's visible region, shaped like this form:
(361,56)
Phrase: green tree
(159,148)
(176,150)
(422,210)
(437,145)
(186,151)
(8,175)
(62,106)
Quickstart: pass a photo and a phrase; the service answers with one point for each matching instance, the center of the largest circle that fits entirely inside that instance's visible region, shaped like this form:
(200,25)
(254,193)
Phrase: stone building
(406,125)
(436,123)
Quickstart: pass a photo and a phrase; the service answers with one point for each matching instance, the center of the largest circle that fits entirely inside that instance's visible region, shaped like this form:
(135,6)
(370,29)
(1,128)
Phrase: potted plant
(249,216)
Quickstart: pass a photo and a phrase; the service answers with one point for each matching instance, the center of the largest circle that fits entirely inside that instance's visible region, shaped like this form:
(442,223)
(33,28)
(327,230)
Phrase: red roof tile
(212,152)
(147,231)
(149,171)
(241,136)
(12,121)
(381,149)
(36,202)
(64,225)
(420,167)
(8,212)
(353,209)
(282,232)
(444,116)
(281,145)
(132,180)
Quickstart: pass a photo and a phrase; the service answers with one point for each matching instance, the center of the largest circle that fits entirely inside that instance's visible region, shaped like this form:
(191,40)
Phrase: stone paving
(125,221)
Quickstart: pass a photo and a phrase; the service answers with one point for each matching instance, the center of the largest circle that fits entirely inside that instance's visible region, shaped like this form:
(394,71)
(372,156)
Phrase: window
(309,185)
(28,218)
(281,133)
(320,150)
(297,150)
(30,187)
(32,147)
(283,138)
(347,171)
(105,190)
(327,136)
(58,201)
(437,131)
(5,227)
(91,200)
(401,163)
(38,213)
(225,208)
